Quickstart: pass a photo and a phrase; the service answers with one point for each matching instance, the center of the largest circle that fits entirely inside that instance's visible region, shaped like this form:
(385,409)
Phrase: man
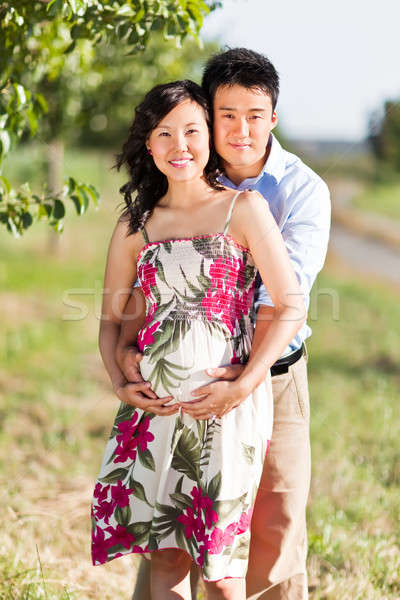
(243,88)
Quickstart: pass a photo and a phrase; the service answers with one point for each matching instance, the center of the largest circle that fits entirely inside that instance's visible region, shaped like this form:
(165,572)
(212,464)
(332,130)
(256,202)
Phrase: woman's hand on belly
(134,394)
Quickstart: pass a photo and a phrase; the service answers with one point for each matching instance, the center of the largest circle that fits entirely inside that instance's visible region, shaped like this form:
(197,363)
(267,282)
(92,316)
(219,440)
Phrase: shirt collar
(274,167)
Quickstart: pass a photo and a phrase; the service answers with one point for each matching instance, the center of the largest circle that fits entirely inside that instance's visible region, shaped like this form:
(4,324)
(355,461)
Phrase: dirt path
(355,244)
(366,255)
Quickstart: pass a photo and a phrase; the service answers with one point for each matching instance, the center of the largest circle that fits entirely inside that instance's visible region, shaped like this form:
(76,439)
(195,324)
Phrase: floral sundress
(177,482)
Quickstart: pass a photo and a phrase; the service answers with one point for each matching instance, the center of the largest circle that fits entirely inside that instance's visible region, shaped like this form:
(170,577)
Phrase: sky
(338,60)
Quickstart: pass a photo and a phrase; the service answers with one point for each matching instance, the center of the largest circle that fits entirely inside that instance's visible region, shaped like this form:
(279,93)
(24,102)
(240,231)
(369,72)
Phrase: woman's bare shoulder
(123,237)
(251,199)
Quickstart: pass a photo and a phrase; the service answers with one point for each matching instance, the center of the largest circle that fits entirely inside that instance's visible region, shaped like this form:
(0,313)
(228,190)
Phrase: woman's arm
(253,220)
(119,274)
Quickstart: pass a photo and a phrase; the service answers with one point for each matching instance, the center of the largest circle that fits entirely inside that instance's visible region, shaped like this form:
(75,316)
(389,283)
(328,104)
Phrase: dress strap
(146,237)
(228,218)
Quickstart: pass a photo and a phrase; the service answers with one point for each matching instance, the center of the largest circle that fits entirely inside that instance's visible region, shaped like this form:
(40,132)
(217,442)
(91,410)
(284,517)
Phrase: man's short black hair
(241,66)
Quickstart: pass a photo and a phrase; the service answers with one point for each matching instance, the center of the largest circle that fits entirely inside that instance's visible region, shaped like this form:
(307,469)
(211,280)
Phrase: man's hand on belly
(217,398)
(228,373)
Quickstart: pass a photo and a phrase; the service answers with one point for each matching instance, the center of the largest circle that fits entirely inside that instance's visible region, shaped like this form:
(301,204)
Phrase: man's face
(243,120)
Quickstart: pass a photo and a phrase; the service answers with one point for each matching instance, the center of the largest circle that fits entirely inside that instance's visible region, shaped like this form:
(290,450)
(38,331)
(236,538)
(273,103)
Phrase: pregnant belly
(181,368)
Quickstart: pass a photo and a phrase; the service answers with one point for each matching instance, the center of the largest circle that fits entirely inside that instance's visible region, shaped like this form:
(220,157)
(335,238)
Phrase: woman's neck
(185,194)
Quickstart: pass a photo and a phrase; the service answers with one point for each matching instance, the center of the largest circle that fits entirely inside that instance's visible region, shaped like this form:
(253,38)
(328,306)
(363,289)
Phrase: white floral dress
(175,482)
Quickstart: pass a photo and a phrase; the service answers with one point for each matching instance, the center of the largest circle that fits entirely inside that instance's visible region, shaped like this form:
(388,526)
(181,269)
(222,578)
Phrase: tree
(385,135)
(38,40)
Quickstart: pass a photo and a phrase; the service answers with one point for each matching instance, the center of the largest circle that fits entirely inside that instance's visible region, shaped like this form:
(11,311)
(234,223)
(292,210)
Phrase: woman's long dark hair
(145,178)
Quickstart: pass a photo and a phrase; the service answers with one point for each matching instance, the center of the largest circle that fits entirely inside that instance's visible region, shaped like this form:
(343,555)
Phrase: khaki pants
(278,549)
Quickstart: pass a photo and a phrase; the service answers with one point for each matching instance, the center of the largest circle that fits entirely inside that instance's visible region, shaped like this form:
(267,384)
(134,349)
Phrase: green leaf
(249,273)
(214,487)
(178,487)
(71,185)
(224,508)
(139,491)
(140,531)
(241,552)
(186,455)
(5,142)
(20,93)
(114,476)
(147,460)
(125,413)
(4,185)
(78,207)
(58,209)
(123,515)
(92,193)
(248,453)
(12,227)
(181,539)
(168,247)
(167,510)
(181,500)
(26,219)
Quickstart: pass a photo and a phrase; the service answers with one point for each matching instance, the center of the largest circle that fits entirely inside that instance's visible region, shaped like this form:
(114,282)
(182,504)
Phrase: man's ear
(274,120)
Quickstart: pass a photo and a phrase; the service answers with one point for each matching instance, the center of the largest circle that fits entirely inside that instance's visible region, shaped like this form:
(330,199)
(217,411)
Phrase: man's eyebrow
(233,109)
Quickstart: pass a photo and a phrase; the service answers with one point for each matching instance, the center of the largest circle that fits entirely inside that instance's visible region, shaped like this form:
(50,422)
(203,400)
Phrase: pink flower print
(151,312)
(211,515)
(217,273)
(147,277)
(145,336)
(215,302)
(202,548)
(199,529)
(126,452)
(239,267)
(244,522)
(119,535)
(200,501)
(235,360)
(232,275)
(143,435)
(101,492)
(120,494)
(215,543)
(229,534)
(127,429)
(189,521)
(99,547)
(104,511)
(197,495)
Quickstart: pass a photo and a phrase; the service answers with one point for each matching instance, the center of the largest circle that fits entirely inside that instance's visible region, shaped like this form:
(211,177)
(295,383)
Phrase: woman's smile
(180,163)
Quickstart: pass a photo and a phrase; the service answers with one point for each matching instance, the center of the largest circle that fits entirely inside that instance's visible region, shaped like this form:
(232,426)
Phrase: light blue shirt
(300,203)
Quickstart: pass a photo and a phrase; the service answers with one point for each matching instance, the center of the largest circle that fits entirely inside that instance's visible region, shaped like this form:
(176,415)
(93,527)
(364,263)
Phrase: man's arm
(306,236)
(127,354)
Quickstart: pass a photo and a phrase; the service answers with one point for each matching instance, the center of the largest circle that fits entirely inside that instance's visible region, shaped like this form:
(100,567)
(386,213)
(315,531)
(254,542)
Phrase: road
(364,254)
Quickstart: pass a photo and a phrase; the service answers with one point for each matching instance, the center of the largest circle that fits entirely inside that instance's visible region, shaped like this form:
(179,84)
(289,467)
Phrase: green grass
(381,198)
(56,410)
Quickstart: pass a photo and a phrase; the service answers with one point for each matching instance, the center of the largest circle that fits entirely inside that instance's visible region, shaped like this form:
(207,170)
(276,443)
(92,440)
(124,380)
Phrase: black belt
(282,364)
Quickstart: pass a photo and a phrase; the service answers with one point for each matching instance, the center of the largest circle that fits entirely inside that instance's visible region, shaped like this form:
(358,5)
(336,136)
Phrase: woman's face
(180,143)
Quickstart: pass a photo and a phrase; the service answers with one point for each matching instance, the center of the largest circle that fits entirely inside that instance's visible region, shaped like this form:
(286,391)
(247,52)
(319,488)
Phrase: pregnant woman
(176,484)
